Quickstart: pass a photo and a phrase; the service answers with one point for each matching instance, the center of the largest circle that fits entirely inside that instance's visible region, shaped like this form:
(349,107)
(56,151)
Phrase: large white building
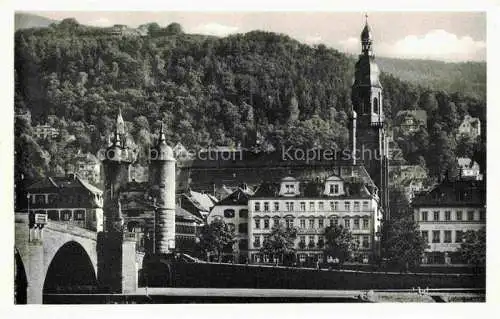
(445,213)
(348,198)
(234,211)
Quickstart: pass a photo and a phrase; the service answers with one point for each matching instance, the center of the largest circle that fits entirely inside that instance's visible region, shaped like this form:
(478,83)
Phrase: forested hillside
(245,88)
(466,77)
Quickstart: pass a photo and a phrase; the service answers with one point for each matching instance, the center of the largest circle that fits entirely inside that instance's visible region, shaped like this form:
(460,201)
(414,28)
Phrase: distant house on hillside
(45,131)
(123,30)
(410,177)
(469,169)
(88,167)
(470,126)
(411,120)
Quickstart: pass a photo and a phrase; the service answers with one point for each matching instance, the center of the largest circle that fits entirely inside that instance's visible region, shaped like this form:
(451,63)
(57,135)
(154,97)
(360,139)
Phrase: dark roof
(453,193)
(54,184)
(238,197)
(315,189)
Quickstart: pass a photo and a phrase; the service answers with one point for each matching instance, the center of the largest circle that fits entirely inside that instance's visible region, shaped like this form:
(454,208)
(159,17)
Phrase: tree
(339,243)
(403,246)
(280,243)
(473,247)
(174,29)
(216,238)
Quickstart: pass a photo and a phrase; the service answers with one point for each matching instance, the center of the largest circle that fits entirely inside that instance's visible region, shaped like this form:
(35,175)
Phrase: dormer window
(334,186)
(289,186)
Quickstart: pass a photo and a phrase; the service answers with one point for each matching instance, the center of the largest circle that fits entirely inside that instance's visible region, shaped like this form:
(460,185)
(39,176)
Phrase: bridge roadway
(237,295)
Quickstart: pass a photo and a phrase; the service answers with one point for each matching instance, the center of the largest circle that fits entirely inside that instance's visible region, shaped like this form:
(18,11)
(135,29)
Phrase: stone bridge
(57,256)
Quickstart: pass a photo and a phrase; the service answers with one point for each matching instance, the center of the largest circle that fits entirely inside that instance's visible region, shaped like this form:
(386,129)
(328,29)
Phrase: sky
(445,36)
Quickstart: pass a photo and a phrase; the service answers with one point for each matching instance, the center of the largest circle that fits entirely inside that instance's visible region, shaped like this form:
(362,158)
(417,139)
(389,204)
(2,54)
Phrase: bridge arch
(20,280)
(71,269)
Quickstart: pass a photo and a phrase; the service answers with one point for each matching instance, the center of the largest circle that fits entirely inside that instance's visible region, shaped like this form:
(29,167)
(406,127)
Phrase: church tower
(162,183)
(367,129)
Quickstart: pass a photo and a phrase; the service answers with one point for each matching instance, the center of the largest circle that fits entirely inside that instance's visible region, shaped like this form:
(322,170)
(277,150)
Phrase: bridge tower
(162,184)
(116,253)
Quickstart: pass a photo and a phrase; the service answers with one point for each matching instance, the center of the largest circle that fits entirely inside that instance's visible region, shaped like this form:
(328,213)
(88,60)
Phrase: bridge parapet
(71,229)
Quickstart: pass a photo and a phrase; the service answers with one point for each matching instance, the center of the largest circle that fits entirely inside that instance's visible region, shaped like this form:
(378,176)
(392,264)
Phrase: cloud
(214,29)
(351,45)
(436,45)
(101,22)
(439,44)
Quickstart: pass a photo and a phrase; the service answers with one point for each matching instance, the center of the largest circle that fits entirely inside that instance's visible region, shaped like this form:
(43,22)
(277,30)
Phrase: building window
(79,214)
(436,236)
(302,239)
(347,206)
(289,206)
(366,223)
(321,222)
(66,215)
(447,236)
(257,207)
(321,206)
(243,228)
(289,222)
(266,206)
(425,236)
(256,241)
(276,222)
(290,188)
(458,236)
(331,222)
(266,223)
(347,223)
(447,215)
(356,206)
(459,215)
(39,199)
(53,214)
(482,215)
(424,216)
(243,244)
(366,242)
(52,199)
(257,223)
(336,206)
(311,223)
(356,223)
(302,206)
(302,223)
(276,206)
(436,216)
(470,215)
(311,241)
(365,206)
(311,205)
(228,213)
(243,213)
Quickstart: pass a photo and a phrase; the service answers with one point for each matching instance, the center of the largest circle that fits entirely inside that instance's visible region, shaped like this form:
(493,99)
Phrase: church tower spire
(367,125)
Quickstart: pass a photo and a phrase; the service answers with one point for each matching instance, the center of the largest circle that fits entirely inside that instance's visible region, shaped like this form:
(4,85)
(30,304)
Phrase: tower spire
(162,138)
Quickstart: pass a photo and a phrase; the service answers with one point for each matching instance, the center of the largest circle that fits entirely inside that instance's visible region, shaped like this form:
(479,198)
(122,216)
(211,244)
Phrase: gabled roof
(238,197)
(54,184)
(203,200)
(453,193)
